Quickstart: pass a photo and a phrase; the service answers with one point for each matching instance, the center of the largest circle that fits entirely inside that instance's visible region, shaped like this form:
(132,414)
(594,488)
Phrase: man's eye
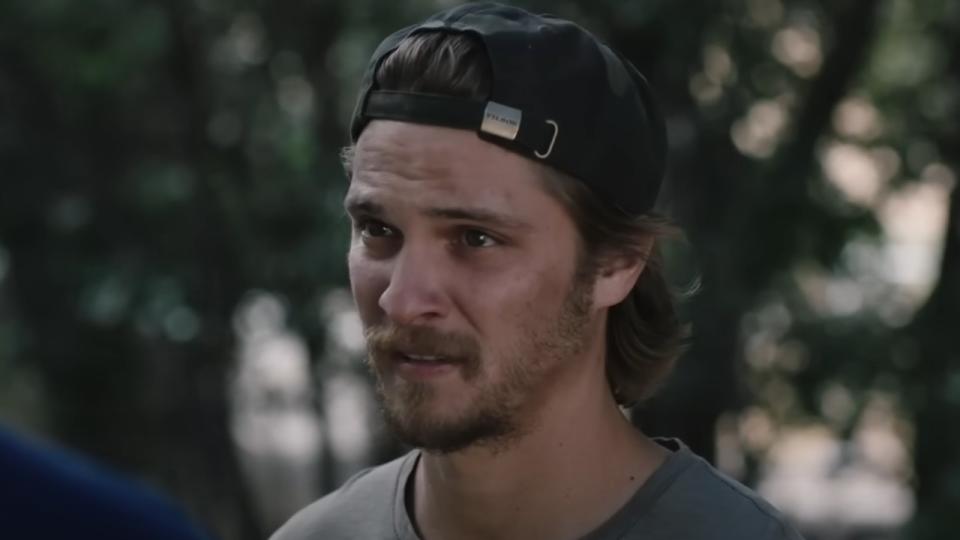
(373,229)
(478,239)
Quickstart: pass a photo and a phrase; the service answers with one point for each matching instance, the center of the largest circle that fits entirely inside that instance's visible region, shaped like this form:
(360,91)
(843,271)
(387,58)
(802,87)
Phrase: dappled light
(798,47)
(277,432)
(856,172)
(835,486)
(759,132)
(858,118)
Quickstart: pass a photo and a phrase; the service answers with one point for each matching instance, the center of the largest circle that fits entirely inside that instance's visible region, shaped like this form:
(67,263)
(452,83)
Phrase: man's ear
(616,277)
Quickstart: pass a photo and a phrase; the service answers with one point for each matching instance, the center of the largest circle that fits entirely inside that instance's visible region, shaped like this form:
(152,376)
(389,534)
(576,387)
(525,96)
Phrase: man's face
(464,271)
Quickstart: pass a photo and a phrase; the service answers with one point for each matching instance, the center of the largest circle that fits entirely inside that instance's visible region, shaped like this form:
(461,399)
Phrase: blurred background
(173,295)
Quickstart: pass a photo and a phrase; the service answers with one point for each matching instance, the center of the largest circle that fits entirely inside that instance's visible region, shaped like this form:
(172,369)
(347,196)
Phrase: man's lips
(395,348)
(422,366)
(424,358)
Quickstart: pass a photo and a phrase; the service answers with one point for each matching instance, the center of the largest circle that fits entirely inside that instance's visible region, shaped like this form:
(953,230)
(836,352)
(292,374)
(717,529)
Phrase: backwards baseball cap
(558,96)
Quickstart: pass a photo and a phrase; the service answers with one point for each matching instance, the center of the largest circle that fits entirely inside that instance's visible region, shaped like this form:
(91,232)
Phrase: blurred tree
(933,377)
(155,168)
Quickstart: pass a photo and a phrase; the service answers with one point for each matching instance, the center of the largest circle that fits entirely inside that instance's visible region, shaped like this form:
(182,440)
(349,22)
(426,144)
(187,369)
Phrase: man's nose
(415,293)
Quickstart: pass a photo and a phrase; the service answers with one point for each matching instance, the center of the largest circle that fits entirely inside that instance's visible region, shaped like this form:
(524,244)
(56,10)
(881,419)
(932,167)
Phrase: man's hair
(644,333)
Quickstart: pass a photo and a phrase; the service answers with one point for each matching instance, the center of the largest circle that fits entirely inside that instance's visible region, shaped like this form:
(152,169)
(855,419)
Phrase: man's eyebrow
(359,205)
(480,215)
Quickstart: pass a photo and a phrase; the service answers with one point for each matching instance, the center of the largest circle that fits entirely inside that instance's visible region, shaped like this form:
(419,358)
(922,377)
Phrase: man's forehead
(399,154)
(393,146)
(433,151)
(444,168)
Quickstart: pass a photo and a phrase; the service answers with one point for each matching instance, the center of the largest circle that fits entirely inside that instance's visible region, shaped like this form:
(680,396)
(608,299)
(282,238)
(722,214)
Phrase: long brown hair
(644,332)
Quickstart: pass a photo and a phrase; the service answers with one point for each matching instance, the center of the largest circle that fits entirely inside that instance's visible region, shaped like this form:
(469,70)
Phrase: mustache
(422,340)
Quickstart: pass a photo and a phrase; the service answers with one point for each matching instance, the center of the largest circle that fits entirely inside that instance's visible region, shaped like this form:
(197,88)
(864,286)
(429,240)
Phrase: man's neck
(567,475)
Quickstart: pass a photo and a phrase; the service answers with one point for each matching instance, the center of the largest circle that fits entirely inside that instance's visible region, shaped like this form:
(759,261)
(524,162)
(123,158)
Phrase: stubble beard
(495,418)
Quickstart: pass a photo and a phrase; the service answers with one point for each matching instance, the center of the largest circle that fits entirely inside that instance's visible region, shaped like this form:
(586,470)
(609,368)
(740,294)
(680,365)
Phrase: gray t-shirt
(684,499)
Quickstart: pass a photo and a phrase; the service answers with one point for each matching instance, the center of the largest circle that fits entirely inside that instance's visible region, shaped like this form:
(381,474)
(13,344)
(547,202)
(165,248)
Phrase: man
(501,186)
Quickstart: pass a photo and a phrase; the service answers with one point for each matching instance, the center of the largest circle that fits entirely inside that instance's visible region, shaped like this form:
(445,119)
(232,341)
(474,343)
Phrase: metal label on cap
(501,120)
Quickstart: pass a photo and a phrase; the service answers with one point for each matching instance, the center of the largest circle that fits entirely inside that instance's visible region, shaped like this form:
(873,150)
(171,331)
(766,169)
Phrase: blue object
(50,494)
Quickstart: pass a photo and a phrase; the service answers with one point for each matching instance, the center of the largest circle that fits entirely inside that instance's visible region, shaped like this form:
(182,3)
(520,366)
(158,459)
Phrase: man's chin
(435,430)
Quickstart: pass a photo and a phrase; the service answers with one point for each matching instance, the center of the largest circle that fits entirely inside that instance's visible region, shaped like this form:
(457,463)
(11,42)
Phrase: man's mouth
(422,349)
(423,358)
(422,367)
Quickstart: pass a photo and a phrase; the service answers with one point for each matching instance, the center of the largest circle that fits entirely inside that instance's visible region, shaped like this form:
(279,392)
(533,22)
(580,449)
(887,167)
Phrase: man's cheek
(367,285)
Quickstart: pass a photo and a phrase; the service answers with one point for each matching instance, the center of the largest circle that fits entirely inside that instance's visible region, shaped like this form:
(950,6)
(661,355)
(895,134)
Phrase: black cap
(558,96)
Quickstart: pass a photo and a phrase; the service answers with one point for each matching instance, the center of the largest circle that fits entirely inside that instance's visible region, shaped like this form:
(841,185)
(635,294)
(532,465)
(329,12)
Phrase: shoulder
(702,502)
(363,507)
